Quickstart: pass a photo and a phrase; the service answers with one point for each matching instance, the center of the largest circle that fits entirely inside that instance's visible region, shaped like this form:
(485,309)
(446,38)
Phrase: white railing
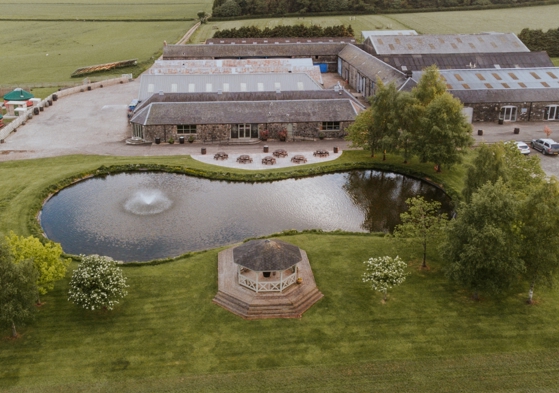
(267,286)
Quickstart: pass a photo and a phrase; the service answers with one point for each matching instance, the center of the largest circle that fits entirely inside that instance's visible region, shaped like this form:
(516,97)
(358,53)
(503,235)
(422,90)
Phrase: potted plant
(191,139)
(321,135)
(171,141)
(264,135)
(299,280)
(282,135)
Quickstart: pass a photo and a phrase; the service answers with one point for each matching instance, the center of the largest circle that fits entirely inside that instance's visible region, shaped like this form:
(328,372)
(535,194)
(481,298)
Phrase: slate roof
(264,255)
(417,62)
(225,51)
(447,43)
(326,94)
(368,33)
(153,84)
(516,95)
(279,40)
(370,66)
(231,112)
(500,79)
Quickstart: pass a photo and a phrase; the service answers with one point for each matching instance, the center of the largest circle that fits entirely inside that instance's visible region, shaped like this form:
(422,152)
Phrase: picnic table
(280,153)
(268,160)
(298,159)
(244,159)
(321,153)
(220,155)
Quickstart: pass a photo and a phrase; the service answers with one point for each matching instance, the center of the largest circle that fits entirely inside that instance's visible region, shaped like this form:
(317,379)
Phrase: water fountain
(146,202)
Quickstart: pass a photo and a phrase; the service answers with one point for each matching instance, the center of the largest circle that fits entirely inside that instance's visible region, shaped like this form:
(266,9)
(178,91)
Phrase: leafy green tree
(482,245)
(540,239)
(45,257)
(383,125)
(97,283)
(430,86)
(202,16)
(408,114)
(422,223)
(229,8)
(384,273)
(445,133)
(502,160)
(18,290)
(358,131)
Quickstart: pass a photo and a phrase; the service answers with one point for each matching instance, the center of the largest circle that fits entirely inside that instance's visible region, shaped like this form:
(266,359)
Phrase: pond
(142,216)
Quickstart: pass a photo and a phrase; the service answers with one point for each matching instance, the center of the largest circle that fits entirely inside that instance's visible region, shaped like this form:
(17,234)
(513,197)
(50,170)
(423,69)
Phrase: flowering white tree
(384,273)
(97,283)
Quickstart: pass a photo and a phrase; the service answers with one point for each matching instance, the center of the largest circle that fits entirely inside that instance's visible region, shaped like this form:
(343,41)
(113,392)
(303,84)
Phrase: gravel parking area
(95,122)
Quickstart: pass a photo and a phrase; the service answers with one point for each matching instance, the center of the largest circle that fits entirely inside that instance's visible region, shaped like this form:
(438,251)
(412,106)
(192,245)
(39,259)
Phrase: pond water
(149,215)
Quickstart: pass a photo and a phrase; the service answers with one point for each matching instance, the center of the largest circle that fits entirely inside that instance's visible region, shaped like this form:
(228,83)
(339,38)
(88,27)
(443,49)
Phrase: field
(168,336)
(502,20)
(137,30)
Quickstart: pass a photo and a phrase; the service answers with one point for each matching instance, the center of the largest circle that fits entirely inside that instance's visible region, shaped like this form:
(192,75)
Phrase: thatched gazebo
(267,265)
(266,278)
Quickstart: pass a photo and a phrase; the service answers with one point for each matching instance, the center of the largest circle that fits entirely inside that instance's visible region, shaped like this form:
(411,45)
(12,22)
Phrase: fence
(45,103)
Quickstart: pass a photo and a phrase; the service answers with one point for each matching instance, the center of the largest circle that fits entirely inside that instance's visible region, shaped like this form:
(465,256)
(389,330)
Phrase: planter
(157,141)
(266,149)
(335,149)
(203,150)
(517,130)
(480,132)
(181,140)
(501,121)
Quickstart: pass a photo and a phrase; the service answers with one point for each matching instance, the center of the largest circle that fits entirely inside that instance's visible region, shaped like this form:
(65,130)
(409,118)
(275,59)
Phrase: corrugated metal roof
(153,84)
(371,67)
(507,95)
(246,112)
(368,33)
(224,51)
(499,79)
(448,43)
(280,40)
(417,62)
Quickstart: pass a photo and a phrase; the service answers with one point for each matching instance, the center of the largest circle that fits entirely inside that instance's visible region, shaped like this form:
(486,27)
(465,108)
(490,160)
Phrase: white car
(523,147)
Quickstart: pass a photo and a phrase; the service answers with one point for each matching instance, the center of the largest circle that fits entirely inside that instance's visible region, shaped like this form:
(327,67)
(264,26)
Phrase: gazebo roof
(18,95)
(267,255)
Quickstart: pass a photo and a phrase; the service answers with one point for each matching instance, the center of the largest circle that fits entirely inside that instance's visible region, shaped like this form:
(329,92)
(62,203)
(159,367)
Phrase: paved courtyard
(95,122)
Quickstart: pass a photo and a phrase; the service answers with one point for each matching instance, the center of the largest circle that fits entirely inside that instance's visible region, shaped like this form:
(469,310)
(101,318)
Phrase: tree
(441,133)
(97,283)
(384,273)
(482,245)
(203,16)
(422,223)
(503,160)
(45,258)
(18,290)
(540,242)
(229,8)
(445,133)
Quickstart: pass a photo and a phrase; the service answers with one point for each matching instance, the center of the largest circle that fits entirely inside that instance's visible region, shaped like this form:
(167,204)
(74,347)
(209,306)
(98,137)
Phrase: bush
(97,283)
(229,8)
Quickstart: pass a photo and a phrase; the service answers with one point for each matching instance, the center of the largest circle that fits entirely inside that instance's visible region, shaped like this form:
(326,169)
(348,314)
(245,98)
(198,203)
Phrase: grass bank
(167,335)
(25,184)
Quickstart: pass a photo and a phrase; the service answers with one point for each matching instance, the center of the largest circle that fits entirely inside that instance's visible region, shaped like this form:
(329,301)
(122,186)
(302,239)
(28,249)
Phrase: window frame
(181,129)
(331,126)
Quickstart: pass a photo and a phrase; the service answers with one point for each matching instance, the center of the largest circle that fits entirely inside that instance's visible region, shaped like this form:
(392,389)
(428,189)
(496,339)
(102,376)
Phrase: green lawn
(500,20)
(168,336)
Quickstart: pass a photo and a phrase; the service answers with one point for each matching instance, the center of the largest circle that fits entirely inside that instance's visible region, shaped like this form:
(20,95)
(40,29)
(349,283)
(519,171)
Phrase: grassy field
(503,20)
(168,336)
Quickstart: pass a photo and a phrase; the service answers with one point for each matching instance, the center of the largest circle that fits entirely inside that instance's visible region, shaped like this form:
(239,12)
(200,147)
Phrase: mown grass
(168,336)
(501,20)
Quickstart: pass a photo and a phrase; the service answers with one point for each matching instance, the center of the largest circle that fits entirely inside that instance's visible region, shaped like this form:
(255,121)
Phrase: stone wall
(526,111)
(356,80)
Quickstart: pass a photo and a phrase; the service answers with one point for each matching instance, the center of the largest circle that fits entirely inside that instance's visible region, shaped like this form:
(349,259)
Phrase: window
(508,113)
(330,126)
(186,129)
(551,112)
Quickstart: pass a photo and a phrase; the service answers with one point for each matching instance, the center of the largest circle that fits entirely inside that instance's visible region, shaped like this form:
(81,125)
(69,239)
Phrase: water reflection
(143,216)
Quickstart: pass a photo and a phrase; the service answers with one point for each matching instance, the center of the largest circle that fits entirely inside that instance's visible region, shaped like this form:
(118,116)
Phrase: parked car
(546,146)
(523,147)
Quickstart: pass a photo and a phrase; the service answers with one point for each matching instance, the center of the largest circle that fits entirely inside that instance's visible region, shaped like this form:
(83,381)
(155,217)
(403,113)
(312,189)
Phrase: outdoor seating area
(244,159)
(280,153)
(298,159)
(268,160)
(220,155)
(321,153)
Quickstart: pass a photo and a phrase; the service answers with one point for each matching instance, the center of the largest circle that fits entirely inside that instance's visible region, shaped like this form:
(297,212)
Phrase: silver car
(546,146)
(523,147)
